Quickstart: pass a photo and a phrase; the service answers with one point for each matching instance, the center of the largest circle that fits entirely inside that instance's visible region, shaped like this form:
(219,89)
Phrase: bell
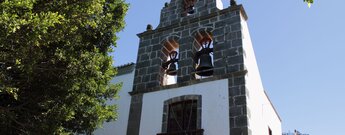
(172,69)
(170,65)
(191,10)
(205,65)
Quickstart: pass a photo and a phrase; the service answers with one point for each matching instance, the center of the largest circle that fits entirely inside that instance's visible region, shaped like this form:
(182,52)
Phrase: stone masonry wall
(173,12)
(227,41)
(225,27)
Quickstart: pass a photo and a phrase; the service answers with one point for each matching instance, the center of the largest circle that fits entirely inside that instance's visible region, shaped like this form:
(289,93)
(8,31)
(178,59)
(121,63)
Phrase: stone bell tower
(196,74)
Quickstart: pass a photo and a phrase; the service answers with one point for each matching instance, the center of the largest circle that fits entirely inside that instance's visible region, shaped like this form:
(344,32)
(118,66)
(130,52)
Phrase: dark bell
(191,10)
(172,69)
(205,65)
(170,65)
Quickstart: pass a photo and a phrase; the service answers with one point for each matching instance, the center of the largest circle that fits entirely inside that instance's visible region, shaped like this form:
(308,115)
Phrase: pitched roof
(125,69)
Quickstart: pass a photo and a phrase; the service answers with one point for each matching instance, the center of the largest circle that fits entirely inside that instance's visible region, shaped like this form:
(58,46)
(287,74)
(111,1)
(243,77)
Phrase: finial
(166,4)
(233,3)
(149,27)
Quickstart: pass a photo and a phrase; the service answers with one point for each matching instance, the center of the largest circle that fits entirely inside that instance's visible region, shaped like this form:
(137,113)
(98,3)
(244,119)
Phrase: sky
(300,53)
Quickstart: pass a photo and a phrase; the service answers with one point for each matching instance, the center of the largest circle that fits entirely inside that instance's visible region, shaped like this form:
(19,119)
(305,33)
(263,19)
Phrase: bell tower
(196,74)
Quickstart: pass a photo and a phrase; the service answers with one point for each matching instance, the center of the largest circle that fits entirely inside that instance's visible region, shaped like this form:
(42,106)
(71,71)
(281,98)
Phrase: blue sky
(300,53)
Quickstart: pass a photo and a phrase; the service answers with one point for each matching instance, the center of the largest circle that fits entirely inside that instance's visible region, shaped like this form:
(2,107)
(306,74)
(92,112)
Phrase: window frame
(195,98)
(186,4)
(184,121)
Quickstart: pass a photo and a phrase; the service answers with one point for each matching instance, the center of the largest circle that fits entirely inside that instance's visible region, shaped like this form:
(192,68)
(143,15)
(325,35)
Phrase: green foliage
(54,64)
(309,2)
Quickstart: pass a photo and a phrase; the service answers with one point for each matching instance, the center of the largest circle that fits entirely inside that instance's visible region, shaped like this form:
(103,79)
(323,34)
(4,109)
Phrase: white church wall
(119,127)
(262,115)
(215,104)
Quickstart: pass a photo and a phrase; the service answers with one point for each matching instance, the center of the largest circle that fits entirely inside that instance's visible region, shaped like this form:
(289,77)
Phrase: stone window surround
(200,35)
(198,98)
(186,5)
(171,43)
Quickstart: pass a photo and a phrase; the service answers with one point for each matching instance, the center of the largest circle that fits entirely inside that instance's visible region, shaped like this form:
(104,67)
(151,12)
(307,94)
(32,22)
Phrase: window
(203,57)
(170,55)
(188,7)
(182,116)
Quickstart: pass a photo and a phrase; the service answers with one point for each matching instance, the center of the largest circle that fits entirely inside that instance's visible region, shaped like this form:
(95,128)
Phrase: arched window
(188,7)
(170,66)
(203,57)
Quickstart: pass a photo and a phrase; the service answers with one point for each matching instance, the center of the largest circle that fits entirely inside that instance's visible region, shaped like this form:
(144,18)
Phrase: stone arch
(200,35)
(202,29)
(188,7)
(170,37)
(169,44)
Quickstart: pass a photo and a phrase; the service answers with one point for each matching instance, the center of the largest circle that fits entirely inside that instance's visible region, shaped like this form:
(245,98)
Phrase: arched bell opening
(188,7)
(170,56)
(203,56)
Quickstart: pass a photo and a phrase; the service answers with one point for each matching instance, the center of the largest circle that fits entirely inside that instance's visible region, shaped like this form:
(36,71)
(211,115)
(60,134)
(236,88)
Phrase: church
(195,74)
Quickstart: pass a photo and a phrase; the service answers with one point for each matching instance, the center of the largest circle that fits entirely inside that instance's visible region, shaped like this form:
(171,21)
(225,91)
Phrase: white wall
(262,114)
(215,104)
(119,127)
